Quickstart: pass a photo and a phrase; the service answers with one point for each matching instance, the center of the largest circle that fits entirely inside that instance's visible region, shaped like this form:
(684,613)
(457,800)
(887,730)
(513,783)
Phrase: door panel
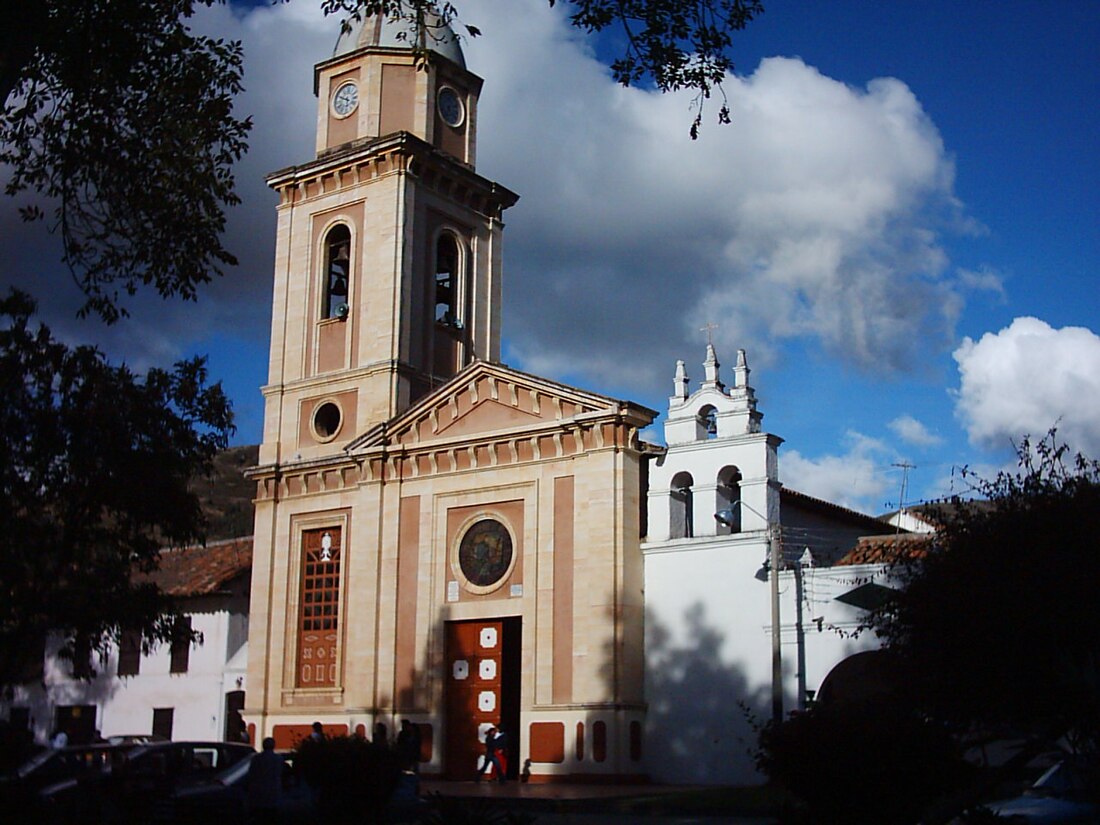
(474,662)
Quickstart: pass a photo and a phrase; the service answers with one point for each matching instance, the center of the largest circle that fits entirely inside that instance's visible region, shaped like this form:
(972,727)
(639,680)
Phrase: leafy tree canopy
(95,465)
(998,625)
(121,118)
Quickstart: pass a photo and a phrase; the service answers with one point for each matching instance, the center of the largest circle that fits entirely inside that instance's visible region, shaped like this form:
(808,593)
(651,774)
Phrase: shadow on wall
(700,726)
(56,688)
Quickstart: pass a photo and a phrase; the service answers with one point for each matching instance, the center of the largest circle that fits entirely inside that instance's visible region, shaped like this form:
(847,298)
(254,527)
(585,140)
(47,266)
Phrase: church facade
(444,539)
(438,537)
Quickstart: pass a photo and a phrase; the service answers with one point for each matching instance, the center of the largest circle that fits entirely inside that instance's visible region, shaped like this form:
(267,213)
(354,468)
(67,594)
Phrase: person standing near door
(495,743)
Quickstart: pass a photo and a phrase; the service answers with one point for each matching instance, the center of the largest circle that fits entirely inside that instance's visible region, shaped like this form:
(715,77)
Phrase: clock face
(485,553)
(450,106)
(345,100)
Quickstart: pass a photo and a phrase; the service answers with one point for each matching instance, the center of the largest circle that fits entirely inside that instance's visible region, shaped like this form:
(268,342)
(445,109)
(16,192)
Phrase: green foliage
(353,778)
(675,44)
(120,119)
(95,465)
(878,763)
(998,625)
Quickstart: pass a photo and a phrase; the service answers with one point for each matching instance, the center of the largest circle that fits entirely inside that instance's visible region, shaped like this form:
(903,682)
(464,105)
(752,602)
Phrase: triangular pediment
(487,416)
(487,399)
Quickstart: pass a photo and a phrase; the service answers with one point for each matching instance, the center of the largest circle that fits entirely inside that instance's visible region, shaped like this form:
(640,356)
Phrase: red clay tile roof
(886,549)
(201,571)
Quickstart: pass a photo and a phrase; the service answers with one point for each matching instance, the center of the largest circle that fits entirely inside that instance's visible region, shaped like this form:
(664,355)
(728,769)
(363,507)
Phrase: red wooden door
(474,653)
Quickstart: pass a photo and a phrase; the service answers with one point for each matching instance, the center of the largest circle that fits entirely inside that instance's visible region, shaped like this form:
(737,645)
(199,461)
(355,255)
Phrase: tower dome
(381,31)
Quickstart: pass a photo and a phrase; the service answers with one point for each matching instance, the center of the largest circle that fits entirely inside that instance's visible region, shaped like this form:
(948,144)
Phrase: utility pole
(774,556)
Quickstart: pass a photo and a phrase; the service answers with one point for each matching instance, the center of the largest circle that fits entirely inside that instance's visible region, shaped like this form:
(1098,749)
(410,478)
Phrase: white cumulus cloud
(855,479)
(814,216)
(912,431)
(1027,378)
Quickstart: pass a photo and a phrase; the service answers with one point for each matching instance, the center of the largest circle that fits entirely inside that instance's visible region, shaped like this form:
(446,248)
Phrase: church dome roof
(380,31)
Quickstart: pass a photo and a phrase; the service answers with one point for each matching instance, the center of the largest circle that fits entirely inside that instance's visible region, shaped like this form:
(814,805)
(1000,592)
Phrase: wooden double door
(482,691)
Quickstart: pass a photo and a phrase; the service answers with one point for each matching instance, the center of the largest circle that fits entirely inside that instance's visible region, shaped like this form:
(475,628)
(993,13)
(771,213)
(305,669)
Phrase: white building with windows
(178,691)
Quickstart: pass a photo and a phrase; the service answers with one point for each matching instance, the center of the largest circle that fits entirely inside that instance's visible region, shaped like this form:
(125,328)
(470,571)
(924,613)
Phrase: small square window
(162,722)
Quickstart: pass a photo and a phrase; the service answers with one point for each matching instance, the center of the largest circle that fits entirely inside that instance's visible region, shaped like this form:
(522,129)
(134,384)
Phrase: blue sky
(899,178)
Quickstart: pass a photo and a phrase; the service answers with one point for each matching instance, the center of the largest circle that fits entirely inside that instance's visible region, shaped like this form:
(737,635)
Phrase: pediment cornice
(458,429)
(359,162)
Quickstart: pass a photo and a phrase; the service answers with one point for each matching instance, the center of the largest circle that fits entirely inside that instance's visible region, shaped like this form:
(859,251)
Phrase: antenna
(905,468)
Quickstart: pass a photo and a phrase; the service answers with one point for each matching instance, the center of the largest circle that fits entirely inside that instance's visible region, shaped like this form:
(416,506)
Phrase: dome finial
(428,30)
(710,368)
(680,382)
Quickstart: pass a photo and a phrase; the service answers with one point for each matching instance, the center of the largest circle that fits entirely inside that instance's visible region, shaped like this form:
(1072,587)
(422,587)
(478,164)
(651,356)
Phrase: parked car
(224,797)
(1061,795)
(132,784)
(133,739)
(21,791)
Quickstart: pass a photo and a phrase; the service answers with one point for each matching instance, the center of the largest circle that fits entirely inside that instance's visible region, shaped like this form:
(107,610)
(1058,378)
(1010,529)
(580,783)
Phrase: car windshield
(235,773)
(58,764)
(1061,779)
(33,764)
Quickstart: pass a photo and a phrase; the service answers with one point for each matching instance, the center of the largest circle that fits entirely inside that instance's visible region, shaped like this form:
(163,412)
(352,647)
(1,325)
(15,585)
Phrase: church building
(444,539)
(438,537)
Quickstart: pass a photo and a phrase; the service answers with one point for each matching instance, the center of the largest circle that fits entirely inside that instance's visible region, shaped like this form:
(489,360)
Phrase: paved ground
(629,819)
(554,804)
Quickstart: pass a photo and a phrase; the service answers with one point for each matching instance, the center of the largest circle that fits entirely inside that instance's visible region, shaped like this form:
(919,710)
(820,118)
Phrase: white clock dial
(345,100)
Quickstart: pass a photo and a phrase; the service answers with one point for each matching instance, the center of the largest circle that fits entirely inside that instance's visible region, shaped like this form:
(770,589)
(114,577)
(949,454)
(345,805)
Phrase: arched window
(337,272)
(446,280)
(728,501)
(680,521)
(707,422)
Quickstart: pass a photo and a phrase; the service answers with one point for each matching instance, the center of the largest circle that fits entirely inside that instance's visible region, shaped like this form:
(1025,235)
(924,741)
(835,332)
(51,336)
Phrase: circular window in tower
(450,107)
(485,555)
(327,420)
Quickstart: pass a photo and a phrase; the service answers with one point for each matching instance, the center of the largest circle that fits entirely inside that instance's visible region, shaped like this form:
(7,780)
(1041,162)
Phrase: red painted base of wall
(570,778)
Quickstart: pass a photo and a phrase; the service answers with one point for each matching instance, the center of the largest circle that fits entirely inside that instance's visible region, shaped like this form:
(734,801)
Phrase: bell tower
(388,248)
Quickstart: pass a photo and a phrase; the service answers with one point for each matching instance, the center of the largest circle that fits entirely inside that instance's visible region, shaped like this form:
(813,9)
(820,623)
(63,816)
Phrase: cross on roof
(709,329)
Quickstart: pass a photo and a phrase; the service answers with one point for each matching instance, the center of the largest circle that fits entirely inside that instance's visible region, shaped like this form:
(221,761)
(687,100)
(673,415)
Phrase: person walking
(408,745)
(495,743)
(265,784)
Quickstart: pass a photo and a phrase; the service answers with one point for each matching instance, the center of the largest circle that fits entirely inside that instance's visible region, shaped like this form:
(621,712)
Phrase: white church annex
(442,538)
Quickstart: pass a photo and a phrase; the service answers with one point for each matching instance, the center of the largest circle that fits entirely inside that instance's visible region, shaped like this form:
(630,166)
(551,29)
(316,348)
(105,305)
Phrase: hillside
(226,497)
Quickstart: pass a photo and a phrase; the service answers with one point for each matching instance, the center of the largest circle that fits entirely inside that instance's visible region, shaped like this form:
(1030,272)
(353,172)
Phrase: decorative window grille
(319,611)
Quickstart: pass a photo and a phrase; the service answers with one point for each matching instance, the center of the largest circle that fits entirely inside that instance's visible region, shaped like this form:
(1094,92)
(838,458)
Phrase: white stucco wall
(125,705)
(708,659)
(709,650)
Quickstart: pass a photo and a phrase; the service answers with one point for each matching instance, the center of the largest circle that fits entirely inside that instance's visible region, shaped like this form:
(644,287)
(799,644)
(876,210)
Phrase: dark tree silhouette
(95,467)
(998,625)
